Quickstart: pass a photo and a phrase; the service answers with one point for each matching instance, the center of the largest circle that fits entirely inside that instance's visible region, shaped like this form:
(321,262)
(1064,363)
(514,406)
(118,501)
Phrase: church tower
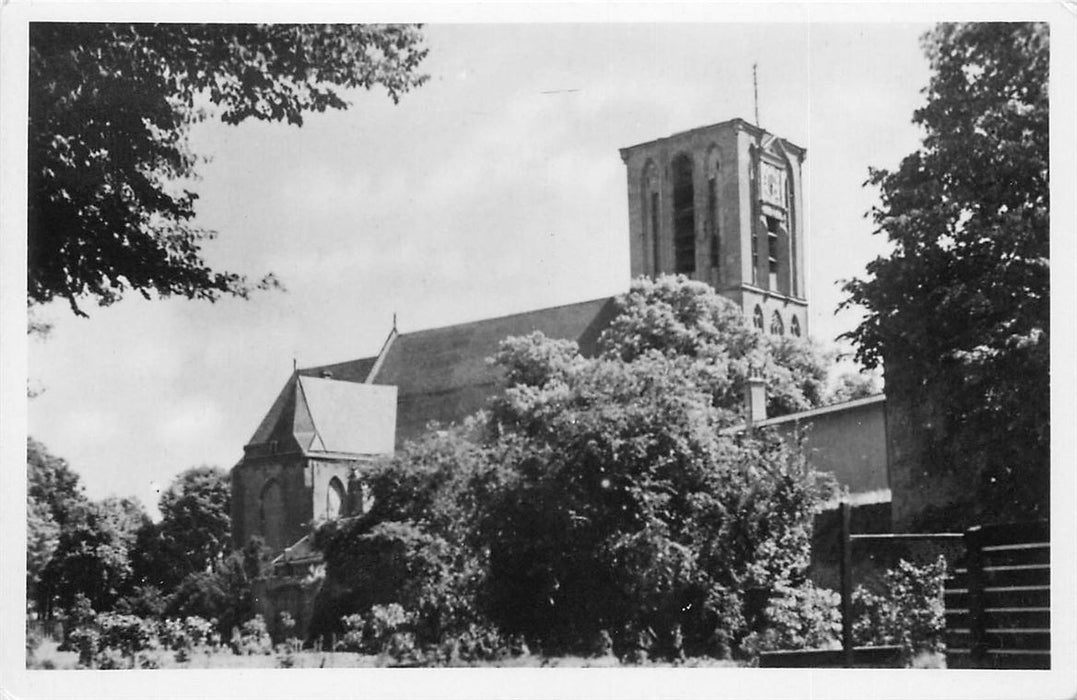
(722,204)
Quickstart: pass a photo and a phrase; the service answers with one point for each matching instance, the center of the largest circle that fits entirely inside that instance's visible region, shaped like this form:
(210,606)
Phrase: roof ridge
(379,360)
(507,316)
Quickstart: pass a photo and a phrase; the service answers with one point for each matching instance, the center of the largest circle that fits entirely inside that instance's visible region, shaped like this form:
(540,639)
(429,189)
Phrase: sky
(495,188)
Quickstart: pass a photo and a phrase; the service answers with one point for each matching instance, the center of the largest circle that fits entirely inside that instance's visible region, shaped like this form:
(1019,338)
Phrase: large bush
(598,498)
(799,617)
(908,610)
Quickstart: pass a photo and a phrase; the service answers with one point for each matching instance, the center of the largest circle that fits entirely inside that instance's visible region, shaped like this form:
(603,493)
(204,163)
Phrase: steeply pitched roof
(319,415)
(349,417)
(442,374)
(350,371)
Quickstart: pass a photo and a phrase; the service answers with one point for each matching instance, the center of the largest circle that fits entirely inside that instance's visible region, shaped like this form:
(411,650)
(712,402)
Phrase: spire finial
(295,364)
(394,320)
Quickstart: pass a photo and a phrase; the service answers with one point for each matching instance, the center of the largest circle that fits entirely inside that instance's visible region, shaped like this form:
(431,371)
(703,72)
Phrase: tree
(959,309)
(681,318)
(595,496)
(51,482)
(53,496)
(629,510)
(196,516)
(93,555)
(111,106)
(194,532)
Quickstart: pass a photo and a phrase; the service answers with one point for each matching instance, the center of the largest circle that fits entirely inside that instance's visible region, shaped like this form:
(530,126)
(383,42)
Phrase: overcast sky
(496,187)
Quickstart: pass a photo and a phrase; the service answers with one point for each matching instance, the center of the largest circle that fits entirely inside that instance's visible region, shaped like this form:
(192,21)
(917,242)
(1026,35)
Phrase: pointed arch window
(271,514)
(713,232)
(334,499)
(684,215)
(777,327)
(650,199)
(794,327)
(757,318)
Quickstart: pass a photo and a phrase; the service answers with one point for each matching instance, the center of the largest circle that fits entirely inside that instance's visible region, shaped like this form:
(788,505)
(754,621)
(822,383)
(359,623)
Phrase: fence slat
(997,605)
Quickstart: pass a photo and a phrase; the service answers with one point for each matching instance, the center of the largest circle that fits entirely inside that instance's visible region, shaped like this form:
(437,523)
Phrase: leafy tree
(196,516)
(629,510)
(42,538)
(53,496)
(595,497)
(682,318)
(93,555)
(194,532)
(959,309)
(111,106)
(52,482)
(855,385)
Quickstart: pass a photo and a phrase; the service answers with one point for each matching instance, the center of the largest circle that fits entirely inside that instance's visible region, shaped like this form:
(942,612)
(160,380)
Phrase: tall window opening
(755,258)
(712,222)
(271,514)
(656,261)
(790,208)
(650,219)
(794,327)
(773,251)
(684,216)
(334,499)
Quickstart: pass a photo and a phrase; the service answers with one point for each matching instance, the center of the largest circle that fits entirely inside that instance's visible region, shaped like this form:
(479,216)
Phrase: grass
(48,656)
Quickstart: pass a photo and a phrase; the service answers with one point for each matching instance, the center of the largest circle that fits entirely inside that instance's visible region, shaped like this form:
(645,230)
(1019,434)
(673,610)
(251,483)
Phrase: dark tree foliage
(111,106)
(54,497)
(224,595)
(93,555)
(194,533)
(196,517)
(596,498)
(959,310)
(52,482)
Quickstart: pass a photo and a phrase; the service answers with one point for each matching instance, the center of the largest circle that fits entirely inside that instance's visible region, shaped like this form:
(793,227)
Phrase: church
(720,204)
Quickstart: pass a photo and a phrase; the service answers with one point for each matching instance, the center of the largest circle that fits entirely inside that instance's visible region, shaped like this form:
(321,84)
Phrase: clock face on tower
(773,184)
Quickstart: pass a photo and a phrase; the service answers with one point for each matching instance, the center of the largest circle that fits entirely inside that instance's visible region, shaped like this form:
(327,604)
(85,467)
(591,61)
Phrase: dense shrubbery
(798,617)
(597,504)
(112,640)
(908,610)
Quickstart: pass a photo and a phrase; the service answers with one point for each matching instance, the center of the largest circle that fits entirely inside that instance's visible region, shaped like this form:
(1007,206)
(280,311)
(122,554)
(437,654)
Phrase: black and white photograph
(629,350)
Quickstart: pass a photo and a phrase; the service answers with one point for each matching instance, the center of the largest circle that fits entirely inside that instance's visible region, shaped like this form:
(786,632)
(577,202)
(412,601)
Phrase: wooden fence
(997,600)
(998,603)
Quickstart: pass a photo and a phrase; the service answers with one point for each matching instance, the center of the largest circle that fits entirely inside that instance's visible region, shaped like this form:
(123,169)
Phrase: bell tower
(722,204)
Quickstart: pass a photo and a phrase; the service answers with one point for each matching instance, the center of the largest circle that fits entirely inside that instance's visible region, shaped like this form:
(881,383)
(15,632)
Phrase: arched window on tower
(334,499)
(684,216)
(271,514)
(757,318)
(777,327)
(790,229)
(794,327)
(713,230)
(650,199)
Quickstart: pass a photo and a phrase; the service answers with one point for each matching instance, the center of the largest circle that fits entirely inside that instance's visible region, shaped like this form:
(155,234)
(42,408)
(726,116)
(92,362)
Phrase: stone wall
(848,440)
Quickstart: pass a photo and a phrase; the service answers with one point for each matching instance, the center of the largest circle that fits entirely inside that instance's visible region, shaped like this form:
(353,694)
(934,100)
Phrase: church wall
(322,472)
(850,443)
(770,302)
(249,480)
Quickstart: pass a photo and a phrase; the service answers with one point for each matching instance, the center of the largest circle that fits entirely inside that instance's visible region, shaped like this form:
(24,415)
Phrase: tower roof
(735,123)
